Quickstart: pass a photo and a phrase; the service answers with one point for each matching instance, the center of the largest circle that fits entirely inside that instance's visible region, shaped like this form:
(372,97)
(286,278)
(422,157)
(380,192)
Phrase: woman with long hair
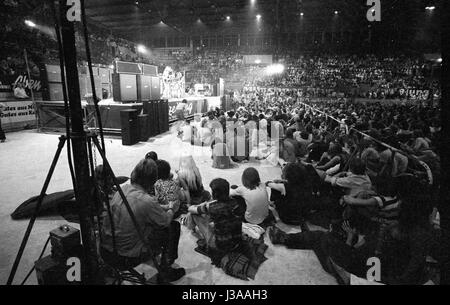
(189,174)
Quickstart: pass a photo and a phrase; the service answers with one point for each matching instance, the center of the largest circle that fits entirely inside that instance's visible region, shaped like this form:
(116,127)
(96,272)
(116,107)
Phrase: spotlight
(439,60)
(141,49)
(258,16)
(30,23)
(430,8)
(137,2)
(275,69)
(336,12)
(228,17)
(301,14)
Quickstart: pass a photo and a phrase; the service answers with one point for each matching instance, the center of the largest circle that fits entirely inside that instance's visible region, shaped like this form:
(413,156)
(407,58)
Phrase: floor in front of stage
(25,160)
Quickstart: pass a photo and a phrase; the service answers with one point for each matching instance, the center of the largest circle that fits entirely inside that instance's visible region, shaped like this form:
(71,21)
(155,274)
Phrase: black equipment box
(65,241)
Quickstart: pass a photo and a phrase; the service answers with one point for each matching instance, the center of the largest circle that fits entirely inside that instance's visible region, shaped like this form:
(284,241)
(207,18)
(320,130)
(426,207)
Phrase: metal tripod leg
(62,141)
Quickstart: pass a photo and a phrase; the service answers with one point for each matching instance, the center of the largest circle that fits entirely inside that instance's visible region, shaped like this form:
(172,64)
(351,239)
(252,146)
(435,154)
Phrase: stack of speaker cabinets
(52,84)
(85,82)
(158,116)
(148,83)
(130,126)
(124,81)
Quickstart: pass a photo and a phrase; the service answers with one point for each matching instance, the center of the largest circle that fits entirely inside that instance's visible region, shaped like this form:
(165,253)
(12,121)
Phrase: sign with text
(18,111)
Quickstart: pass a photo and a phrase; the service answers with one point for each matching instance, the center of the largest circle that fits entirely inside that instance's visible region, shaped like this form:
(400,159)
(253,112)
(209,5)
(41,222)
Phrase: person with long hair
(292,194)
(189,175)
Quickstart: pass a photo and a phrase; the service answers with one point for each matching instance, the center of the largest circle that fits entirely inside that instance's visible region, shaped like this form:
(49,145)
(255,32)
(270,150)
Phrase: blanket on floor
(244,261)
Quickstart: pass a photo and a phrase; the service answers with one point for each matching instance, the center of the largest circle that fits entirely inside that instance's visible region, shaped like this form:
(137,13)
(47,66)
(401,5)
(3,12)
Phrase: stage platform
(52,118)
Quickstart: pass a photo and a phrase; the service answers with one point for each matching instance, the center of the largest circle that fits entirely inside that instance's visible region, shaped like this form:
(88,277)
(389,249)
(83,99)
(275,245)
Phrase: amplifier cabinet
(144,86)
(128,67)
(149,70)
(156,88)
(130,126)
(124,87)
(53,73)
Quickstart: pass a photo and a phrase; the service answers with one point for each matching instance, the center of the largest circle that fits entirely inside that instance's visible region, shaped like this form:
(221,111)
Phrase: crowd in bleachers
(366,76)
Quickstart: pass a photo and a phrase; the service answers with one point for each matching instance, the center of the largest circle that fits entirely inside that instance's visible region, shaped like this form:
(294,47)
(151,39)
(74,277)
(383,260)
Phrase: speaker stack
(51,77)
(124,81)
(52,89)
(158,116)
(85,82)
(130,126)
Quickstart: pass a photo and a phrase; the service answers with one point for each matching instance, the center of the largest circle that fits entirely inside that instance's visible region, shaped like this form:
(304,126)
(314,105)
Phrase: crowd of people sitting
(369,76)
(367,174)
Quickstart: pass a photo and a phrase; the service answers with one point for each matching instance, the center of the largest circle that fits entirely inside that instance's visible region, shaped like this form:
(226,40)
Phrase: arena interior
(223,142)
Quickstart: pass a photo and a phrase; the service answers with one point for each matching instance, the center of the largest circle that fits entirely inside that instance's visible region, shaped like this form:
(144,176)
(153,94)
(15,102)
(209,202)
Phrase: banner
(18,111)
(9,82)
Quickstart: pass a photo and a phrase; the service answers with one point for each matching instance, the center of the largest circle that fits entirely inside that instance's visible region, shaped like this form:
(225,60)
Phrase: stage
(52,118)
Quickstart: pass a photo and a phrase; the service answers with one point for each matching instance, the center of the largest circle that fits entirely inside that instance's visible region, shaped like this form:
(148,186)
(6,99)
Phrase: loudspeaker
(143,127)
(144,84)
(156,88)
(53,73)
(86,88)
(148,109)
(124,87)
(53,92)
(149,70)
(130,126)
(128,67)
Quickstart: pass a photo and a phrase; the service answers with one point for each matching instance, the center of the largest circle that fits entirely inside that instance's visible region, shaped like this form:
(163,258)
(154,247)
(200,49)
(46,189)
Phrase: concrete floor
(24,162)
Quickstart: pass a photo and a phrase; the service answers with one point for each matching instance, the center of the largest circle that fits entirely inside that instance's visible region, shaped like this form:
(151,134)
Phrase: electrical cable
(66,103)
(91,74)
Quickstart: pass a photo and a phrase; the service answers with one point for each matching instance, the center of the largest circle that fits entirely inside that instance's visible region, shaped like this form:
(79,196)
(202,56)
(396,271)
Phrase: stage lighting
(30,23)
(275,69)
(141,49)
(336,12)
(301,14)
(258,16)
(430,8)
(228,17)
(439,60)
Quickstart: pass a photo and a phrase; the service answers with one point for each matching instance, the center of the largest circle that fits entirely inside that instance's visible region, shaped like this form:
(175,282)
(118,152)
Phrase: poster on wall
(18,112)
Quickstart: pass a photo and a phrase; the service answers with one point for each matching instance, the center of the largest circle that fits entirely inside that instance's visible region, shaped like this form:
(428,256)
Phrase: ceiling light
(30,23)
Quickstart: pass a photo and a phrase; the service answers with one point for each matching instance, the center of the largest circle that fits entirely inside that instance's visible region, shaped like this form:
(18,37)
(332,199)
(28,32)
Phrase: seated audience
(159,232)
(256,198)
(292,195)
(189,175)
(221,225)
